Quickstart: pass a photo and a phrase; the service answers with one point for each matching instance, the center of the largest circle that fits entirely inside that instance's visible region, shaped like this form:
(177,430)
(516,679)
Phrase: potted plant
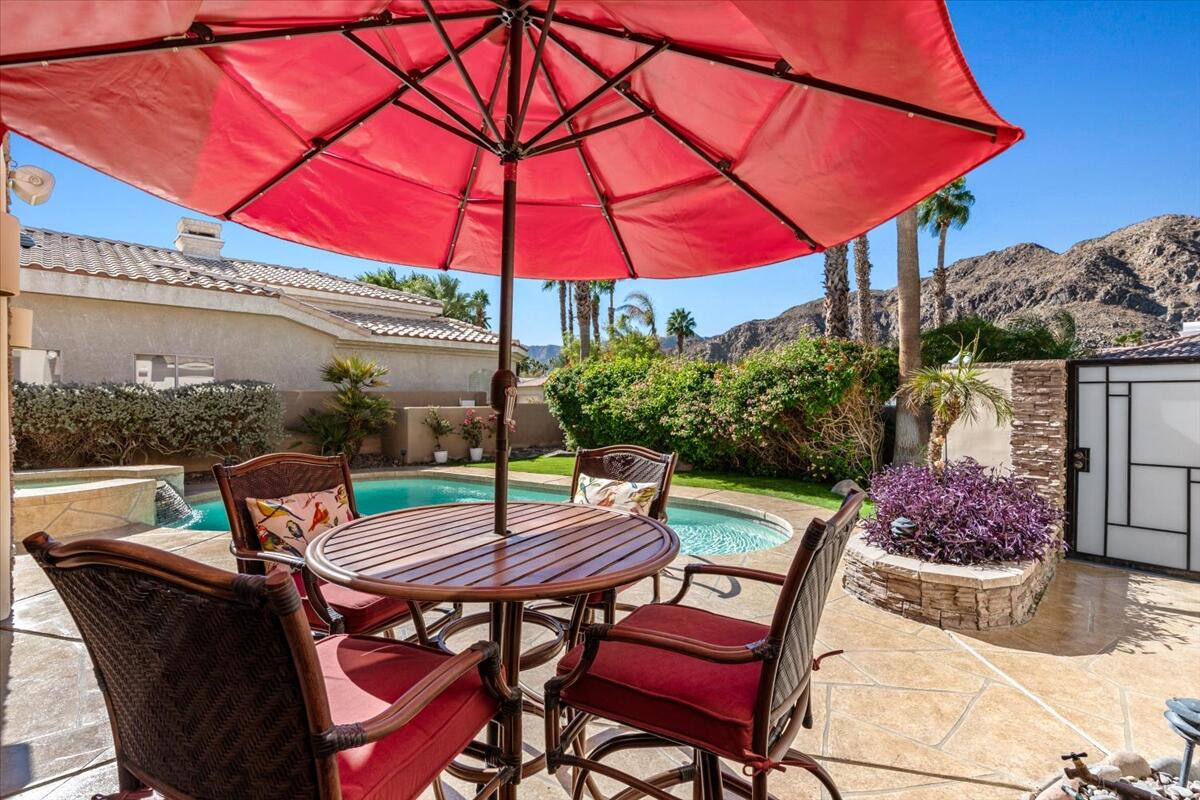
(439,426)
(472,430)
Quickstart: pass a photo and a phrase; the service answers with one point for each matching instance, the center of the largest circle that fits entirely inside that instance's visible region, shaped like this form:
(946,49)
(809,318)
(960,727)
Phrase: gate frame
(1072,495)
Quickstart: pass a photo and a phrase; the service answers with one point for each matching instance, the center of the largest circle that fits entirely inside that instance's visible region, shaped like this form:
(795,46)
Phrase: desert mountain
(1142,277)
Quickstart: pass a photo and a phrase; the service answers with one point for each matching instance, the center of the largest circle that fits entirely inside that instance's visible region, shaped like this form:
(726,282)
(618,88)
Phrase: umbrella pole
(504,382)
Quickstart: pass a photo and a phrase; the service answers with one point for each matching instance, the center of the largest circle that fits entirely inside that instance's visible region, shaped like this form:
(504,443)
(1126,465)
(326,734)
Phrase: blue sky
(1108,93)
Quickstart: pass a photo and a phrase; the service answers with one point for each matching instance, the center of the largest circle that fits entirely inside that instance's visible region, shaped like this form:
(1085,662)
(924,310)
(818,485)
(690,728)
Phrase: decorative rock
(1129,764)
(1054,791)
(1168,764)
(843,488)
(1108,772)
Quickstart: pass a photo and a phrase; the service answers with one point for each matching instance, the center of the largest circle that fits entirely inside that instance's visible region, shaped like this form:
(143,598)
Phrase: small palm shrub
(964,514)
(353,413)
(953,392)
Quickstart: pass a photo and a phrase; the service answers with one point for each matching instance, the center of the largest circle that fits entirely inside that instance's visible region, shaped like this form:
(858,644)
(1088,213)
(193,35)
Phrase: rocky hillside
(1142,277)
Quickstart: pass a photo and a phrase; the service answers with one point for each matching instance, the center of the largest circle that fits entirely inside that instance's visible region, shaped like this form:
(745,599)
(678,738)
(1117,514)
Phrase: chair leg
(708,776)
(818,771)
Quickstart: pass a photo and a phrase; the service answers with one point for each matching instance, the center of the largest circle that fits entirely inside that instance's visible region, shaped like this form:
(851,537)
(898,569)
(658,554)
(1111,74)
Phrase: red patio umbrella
(576,139)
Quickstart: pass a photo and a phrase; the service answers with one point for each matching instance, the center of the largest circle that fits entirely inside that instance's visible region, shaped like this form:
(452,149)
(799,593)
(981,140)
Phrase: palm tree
(947,207)
(837,293)
(456,304)
(594,289)
(952,392)
(358,412)
(478,303)
(640,308)
(570,311)
(561,286)
(583,302)
(862,281)
(681,324)
(609,288)
(908,291)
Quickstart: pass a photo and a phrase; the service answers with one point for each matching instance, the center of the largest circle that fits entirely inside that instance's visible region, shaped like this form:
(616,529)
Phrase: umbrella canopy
(657,139)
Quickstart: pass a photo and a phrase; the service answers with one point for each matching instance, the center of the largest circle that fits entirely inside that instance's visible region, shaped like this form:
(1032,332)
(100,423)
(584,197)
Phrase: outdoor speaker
(10,255)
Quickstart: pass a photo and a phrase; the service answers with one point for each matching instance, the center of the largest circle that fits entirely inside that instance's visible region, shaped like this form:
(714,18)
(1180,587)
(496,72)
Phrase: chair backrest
(628,462)
(210,677)
(270,476)
(801,601)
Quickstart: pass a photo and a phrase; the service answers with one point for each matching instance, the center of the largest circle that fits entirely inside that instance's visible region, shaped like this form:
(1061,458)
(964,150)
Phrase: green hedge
(807,409)
(70,425)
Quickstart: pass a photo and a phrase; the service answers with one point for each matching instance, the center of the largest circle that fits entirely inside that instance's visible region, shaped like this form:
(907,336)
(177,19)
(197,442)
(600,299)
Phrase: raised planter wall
(974,598)
(991,596)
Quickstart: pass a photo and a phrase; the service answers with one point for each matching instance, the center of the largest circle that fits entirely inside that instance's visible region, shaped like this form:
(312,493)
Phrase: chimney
(199,238)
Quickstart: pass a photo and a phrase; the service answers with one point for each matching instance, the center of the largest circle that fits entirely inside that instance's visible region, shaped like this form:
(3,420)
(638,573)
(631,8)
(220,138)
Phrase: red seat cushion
(683,698)
(363,675)
(364,613)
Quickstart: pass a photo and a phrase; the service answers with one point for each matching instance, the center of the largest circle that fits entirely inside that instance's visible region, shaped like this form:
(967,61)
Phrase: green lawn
(816,494)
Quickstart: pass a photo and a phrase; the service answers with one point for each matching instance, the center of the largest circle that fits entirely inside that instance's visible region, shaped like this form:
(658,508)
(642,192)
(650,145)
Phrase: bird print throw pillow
(621,495)
(287,524)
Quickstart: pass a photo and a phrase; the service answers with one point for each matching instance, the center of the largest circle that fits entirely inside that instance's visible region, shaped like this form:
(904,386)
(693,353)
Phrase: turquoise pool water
(700,532)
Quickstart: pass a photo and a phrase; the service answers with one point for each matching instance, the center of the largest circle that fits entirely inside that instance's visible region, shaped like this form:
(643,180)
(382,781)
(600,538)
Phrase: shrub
(809,408)
(68,425)
(472,428)
(966,515)
(1024,339)
(439,426)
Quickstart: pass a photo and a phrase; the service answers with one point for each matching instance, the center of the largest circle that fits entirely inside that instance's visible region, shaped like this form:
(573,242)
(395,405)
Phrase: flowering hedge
(809,408)
(70,425)
(966,515)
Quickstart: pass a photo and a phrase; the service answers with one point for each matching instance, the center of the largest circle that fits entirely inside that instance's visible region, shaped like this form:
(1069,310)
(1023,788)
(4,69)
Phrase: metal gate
(1135,460)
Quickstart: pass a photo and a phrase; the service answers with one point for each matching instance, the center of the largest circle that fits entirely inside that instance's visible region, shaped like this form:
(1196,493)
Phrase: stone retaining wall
(947,595)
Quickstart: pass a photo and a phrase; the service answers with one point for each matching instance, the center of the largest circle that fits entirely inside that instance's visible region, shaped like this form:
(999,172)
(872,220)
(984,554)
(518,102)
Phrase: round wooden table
(451,553)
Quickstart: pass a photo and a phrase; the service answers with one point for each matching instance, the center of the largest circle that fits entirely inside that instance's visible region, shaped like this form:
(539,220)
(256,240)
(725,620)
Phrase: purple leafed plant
(967,515)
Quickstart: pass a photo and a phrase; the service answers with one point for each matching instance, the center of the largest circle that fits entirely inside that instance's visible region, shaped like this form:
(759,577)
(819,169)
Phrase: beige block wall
(296,403)
(411,440)
(99,338)
(982,439)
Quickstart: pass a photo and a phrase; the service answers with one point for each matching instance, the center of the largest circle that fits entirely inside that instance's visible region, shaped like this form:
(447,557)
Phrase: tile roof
(443,328)
(1180,347)
(77,253)
(53,250)
(84,254)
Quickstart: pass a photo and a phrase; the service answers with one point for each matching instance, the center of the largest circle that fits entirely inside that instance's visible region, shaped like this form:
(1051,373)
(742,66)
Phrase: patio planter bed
(981,597)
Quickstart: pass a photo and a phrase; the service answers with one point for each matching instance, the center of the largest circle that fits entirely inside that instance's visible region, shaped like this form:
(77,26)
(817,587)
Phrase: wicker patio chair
(681,676)
(216,689)
(330,608)
(622,462)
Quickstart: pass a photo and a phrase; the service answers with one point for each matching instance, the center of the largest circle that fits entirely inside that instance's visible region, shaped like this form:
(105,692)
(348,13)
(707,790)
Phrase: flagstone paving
(909,712)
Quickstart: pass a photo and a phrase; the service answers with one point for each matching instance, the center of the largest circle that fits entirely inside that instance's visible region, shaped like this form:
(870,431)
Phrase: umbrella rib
(533,72)
(605,207)
(782,71)
(462,69)
(466,128)
(200,35)
(721,166)
(471,175)
(609,82)
(564,141)
(320,145)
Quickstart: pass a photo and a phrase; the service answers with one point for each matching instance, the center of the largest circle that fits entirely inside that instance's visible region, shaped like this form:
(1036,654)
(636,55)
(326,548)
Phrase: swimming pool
(701,532)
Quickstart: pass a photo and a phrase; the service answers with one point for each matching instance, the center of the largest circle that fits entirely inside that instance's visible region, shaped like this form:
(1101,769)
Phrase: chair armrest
(483,656)
(294,563)
(593,635)
(691,570)
(332,619)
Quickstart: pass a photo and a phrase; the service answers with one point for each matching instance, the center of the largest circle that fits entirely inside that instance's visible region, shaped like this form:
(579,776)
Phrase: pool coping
(680,496)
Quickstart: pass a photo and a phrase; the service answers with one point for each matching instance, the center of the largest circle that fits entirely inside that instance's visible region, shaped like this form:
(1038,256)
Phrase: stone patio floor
(910,712)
